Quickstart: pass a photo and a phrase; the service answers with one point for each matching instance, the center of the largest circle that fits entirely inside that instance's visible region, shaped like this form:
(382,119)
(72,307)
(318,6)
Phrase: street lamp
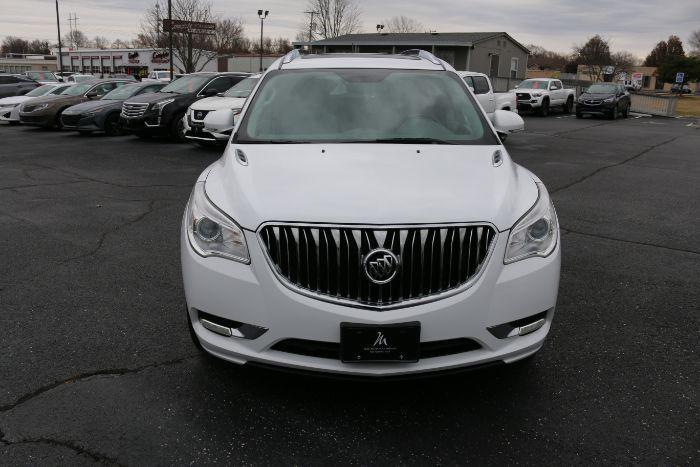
(262,15)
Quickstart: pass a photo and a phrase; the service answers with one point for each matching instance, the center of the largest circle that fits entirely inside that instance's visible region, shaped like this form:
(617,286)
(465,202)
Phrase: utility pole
(158,24)
(73,21)
(262,18)
(60,54)
(311,26)
(170,37)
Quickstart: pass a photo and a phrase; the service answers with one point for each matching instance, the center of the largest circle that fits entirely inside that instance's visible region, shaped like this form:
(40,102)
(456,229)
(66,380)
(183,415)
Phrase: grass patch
(688,106)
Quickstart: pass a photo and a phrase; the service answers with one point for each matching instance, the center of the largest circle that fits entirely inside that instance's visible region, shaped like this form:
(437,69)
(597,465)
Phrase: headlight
(40,107)
(211,232)
(537,94)
(580,99)
(94,112)
(609,99)
(159,105)
(535,234)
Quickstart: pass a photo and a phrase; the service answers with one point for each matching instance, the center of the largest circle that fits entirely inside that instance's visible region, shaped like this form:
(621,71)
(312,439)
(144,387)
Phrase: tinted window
(187,84)
(481,86)
(363,105)
(8,80)
(223,83)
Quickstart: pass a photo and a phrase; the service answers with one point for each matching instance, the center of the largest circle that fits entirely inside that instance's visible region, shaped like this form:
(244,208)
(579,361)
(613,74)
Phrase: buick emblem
(381,266)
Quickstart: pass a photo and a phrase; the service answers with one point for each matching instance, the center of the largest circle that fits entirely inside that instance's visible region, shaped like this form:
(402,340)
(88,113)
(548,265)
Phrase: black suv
(16,85)
(604,99)
(161,113)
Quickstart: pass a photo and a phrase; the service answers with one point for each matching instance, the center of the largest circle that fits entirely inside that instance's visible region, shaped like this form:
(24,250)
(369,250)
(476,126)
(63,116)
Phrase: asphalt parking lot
(96,363)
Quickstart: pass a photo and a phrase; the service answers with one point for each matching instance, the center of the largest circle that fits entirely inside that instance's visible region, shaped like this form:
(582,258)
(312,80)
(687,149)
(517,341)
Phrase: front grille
(70,120)
(523,95)
(133,109)
(328,262)
(199,114)
(592,102)
(331,350)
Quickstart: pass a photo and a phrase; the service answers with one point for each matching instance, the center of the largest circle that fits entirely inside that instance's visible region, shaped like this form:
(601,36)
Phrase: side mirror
(219,94)
(92,95)
(506,122)
(210,92)
(471,88)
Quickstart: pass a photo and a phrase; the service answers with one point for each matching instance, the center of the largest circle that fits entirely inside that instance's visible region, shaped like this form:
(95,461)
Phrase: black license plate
(379,343)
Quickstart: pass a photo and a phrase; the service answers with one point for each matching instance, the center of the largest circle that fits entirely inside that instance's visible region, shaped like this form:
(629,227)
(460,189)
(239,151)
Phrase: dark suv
(16,85)
(608,99)
(161,113)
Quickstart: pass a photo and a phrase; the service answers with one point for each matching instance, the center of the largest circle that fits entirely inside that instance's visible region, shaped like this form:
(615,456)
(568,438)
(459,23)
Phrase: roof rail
(420,53)
(291,55)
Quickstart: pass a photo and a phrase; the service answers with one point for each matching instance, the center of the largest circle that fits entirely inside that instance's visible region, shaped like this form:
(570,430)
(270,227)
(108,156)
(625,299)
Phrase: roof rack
(291,55)
(420,53)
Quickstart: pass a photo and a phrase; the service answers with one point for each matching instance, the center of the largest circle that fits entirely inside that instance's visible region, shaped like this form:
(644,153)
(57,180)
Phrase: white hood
(13,100)
(218,103)
(370,184)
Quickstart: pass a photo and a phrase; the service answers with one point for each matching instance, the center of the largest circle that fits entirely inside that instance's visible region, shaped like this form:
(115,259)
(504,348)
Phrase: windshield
(41,76)
(242,88)
(122,93)
(40,91)
(532,84)
(77,89)
(602,89)
(187,84)
(364,105)
(81,79)
(61,89)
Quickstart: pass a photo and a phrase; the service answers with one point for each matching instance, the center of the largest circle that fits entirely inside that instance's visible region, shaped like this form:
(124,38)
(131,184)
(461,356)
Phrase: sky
(631,25)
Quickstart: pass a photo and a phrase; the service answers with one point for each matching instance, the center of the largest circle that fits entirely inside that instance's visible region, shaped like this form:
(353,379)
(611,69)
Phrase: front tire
(177,129)
(543,111)
(112,126)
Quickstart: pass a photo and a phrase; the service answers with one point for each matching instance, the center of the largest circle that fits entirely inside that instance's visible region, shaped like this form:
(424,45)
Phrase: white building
(130,61)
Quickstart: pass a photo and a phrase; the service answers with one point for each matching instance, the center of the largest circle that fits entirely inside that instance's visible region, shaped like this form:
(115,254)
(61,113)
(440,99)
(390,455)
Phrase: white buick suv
(365,220)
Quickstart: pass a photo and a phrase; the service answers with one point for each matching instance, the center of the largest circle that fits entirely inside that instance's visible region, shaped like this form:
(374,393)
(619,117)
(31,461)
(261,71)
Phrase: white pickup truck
(542,94)
(481,86)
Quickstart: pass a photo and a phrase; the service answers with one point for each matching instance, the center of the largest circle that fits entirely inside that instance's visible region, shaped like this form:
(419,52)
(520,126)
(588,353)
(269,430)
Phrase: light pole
(170,37)
(60,54)
(262,15)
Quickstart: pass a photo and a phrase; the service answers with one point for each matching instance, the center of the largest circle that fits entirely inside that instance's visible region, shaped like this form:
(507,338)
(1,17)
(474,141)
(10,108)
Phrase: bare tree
(399,24)
(100,42)
(76,38)
(190,48)
(543,59)
(16,45)
(281,45)
(228,37)
(120,44)
(622,61)
(694,41)
(334,18)
(594,54)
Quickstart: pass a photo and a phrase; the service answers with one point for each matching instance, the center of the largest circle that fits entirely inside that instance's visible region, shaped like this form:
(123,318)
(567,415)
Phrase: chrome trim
(354,304)
(199,138)
(217,328)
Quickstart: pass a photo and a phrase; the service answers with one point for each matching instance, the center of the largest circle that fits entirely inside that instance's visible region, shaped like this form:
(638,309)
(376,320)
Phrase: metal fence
(654,105)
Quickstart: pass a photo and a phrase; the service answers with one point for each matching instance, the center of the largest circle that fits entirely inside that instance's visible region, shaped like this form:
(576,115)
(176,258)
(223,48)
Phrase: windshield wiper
(411,141)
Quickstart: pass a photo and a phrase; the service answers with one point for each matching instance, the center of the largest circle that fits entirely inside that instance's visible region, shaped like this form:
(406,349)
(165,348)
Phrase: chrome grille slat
(327,261)
(133,109)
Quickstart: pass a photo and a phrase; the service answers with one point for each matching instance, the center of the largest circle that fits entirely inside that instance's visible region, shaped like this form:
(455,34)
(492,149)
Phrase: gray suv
(16,85)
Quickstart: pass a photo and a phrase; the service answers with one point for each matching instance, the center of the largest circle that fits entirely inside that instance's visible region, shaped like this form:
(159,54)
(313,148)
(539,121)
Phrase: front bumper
(41,118)
(596,109)
(529,104)
(147,123)
(9,114)
(252,294)
(216,126)
(80,122)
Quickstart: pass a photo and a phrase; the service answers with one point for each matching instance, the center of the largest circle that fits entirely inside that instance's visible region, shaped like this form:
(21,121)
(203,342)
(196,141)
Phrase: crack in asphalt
(35,185)
(83,177)
(616,164)
(92,252)
(82,376)
(80,450)
(654,245)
